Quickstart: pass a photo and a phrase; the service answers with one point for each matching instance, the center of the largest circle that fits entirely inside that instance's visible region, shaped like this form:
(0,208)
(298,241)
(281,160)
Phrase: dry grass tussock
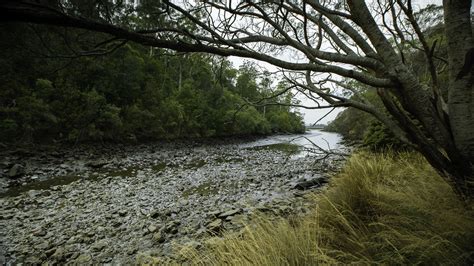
(381,209)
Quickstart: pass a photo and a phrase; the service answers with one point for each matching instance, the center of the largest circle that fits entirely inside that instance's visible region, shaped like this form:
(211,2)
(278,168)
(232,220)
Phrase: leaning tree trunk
(448,144)
(460,42)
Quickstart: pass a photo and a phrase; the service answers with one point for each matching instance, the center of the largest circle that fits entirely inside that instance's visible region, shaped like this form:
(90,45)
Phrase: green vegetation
(134,93)
(357,126)
(381,209)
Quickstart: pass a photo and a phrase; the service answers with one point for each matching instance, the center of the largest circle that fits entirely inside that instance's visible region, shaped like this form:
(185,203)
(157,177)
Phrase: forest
(134,93)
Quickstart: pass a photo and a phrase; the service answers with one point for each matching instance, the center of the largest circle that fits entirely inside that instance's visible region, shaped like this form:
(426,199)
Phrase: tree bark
(460,42)
(458,27)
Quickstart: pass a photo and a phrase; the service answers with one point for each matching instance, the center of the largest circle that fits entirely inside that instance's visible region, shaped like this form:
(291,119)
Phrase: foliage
(381,209)
(361,127)
(133,93)
(352,124)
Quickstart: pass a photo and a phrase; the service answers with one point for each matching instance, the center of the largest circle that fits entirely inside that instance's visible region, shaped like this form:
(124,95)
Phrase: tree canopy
(134,93)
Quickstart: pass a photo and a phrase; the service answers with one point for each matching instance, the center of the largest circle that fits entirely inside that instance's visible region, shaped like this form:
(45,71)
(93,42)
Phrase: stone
(154,214)
(17,170)
(214,213)
(83,259)
(39,231)
(99,245)
(33,261)
(193,244)
(58,254)
(42,246)
(312,183)
(229,213)
(171,227)
(152,228)
(159,237)
(34,193)
(97,164)
(122,213)
(215,225)
(132,250)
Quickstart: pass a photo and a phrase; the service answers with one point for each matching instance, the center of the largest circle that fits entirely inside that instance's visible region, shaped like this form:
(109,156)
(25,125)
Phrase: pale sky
(312,115)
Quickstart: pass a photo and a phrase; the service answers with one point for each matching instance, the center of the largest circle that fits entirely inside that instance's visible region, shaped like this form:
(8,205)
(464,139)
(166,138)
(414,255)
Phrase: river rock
(17,170)
(193,244)
(230,212)
(39,231)
(131,215)
(97,164)
(312,183)
(99,245)
(83,259)
(159,237)
(58,254)
(171,227)
(152,228)
(154,214)
(34,193)
(33,261)
(215,225)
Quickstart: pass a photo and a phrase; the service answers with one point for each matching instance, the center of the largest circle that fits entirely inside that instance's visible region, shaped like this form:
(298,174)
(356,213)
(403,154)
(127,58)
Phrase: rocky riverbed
(114,204)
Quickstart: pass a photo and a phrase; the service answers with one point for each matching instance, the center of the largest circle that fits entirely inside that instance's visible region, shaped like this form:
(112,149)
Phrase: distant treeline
(50,92)
(361,128)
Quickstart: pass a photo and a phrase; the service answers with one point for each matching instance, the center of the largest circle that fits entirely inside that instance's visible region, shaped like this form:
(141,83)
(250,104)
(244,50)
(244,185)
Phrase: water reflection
(325,140)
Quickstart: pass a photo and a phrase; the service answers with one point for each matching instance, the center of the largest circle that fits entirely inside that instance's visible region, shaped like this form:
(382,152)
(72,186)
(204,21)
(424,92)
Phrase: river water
(326,140)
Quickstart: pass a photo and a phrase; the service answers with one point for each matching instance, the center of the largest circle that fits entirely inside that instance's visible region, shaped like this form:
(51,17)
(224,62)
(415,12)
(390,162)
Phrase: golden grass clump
(381,209)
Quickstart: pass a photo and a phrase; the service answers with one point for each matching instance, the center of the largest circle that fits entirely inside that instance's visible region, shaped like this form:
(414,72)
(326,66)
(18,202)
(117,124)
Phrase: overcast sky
(312,115)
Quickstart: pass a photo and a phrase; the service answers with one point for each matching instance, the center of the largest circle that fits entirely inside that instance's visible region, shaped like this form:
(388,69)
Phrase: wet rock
(215,225)
(58,254)
(230,212)
(171,227)
(116,223)
(154,214)
(159,237)
(83,259)
(17,170)
(99,245)
(40,231)
(43,246)
(312,183)
(152,228)
(97,164)
(33,261)
(214,213)
(193,244)
(34,193)
(132,250)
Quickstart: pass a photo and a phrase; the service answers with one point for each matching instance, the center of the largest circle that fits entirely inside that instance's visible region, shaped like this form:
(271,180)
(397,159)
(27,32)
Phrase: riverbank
(388,209)
(110,205)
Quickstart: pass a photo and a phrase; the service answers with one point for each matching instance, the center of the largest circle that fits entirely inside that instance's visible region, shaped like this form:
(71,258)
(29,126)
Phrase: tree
(326,40)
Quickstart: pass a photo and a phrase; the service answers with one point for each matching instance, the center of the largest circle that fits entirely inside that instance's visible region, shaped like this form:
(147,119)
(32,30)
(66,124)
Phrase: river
(117,203)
